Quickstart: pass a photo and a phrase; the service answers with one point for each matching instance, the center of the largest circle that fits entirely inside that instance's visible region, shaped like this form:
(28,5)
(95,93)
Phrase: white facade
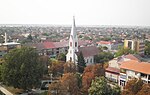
(73,45)
(89,60)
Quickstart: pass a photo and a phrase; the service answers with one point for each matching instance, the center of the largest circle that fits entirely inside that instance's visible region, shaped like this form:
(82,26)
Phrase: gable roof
(89,51)
(143,67)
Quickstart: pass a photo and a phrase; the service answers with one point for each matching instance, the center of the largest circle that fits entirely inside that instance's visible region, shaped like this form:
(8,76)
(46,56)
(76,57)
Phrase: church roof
(89,51)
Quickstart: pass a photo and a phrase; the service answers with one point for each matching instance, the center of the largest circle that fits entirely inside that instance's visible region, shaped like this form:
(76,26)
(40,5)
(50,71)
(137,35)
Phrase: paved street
(5,91)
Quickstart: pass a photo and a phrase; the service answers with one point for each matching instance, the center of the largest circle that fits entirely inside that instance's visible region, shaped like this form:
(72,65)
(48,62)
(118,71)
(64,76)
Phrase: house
(134,69)
(109,44)
(7,46)
(88,51)
(113,71)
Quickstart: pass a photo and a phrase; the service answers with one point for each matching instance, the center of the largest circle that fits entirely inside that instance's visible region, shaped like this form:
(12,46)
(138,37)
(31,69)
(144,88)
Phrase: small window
(75,44)
(70,59)
(70,44)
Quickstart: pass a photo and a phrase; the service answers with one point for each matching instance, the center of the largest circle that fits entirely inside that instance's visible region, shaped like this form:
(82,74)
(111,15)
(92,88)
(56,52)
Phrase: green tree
(81,63)
(21,68)
(99,86)
(124,51)
(30,37)
(103,57)
(116,90)
(61,57)
(147,48)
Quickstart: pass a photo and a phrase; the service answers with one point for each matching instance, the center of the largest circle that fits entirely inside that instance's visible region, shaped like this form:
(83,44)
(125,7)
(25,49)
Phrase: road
(5,91)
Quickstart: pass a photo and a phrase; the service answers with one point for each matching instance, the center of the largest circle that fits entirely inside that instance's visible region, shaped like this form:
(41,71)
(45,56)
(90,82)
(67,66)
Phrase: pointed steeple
(73,44)
(73,30)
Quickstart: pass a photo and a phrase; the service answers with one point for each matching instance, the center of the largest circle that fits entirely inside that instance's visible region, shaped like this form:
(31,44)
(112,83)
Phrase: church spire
(73,44)
(73,30)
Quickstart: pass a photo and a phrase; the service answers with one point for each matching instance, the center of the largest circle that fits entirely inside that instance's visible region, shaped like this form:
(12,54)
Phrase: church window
(70,59)
(75,44)
(70,44)
(87,60)
(91,60)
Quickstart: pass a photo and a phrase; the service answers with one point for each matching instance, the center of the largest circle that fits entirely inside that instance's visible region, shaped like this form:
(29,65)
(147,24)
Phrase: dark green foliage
(99,86)
(81,63)
(21,68)
(147,48)
(124,51)
(116,90)
(103,57)
(61,57)
(29,37)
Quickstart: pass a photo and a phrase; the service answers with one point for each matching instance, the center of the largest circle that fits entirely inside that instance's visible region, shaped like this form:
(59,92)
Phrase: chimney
(5,37)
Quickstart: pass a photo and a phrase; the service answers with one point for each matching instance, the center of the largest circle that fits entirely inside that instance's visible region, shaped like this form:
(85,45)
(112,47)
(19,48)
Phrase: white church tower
(73,45)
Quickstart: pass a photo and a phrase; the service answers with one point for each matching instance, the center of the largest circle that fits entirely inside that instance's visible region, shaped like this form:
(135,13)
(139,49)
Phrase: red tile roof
(112,69)
(131,56)
(143,67)
(48,45)
(104,42)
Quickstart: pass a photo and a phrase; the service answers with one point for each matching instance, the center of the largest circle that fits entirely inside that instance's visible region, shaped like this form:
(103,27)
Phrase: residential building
(7,46)
(136,45)
(109,44)
(134,69)
(113,71)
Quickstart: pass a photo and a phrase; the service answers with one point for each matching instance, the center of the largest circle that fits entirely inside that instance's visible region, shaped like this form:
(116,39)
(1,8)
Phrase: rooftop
(143,67)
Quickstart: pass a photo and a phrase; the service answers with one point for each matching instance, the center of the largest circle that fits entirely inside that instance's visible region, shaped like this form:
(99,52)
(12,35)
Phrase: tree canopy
(21,68)
(147,48)
(124,51)
(99,86)
(81,63)
(132,87)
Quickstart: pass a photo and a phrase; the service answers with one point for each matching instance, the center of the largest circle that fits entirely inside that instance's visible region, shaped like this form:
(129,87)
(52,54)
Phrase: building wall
(136,45)
(111,76)
(89,60)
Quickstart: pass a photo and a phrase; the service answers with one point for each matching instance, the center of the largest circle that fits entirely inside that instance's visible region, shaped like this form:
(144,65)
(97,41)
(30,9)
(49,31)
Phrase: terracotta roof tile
(143,67)
(111,69)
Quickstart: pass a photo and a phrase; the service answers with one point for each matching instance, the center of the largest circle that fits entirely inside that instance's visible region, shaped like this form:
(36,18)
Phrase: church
(88,51)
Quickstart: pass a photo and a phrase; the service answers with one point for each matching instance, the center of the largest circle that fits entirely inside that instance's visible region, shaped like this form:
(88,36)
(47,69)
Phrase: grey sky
(87,12)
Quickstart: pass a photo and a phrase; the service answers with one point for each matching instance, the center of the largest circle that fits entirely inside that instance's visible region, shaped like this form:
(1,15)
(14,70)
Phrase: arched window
(75,44)
(70,44)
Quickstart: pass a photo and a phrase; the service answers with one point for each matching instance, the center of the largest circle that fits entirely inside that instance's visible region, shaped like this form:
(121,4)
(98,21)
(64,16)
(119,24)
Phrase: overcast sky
(87,12)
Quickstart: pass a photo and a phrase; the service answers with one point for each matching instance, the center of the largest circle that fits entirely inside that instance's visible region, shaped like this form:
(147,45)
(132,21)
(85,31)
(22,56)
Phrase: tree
(99,86)
(90,72)
(103,57)
(124,51)
(21,68)
(132,87)
(29,37)
(116,90)
(145,90)
(70,67)
(147,48)
(56,67)
(69,83)
(81,63)
(61,57)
